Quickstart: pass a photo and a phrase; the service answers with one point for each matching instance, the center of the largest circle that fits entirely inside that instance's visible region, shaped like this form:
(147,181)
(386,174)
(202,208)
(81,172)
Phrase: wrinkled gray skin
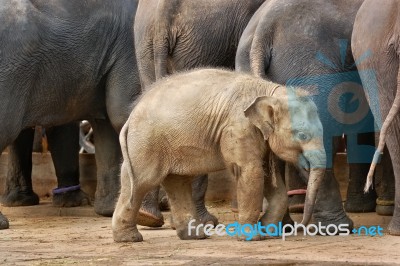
(64,146)
(376,32)
(281,42)
(214,120)
(70,66)
(176,35)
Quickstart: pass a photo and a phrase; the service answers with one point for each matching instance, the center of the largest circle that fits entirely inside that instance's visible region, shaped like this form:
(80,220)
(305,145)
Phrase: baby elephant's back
(180,94)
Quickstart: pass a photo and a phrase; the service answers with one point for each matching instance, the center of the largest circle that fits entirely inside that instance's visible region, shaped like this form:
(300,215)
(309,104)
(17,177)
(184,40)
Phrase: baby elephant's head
(293,130)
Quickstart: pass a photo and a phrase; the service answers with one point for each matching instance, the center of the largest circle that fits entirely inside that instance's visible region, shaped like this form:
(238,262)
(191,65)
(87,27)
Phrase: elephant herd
(113,63)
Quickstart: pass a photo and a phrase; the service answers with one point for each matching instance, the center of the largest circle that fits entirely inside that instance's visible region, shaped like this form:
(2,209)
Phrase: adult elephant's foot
(151,218)
(337,218)
(329,208)
(384,207)
(17,197)
(71,199)
(149,213)
(357,200)
(105,205)
(385,187)
(4,224)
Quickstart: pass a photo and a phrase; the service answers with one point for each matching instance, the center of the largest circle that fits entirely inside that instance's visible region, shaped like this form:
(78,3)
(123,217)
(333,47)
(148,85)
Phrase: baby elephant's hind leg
(179,191)
(124,221)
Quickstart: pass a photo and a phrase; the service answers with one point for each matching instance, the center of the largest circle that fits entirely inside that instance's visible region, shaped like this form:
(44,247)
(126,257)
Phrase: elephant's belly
(193,161)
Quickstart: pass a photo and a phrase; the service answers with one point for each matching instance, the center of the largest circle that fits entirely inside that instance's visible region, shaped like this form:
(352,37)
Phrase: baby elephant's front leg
(250,196)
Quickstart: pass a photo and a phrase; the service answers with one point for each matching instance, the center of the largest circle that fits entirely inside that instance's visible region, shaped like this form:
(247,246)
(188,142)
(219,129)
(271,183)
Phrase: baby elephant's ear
(263,113)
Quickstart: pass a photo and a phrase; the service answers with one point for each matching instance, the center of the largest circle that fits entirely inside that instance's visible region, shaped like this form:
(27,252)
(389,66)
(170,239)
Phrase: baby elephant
(209,120)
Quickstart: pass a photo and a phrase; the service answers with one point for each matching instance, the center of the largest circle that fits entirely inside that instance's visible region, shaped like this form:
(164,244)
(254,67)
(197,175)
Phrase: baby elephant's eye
(302,136)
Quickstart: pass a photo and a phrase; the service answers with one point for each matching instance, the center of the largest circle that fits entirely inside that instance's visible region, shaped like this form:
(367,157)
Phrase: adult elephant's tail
(242,58)
(261,47)
(162,36)
(394,110)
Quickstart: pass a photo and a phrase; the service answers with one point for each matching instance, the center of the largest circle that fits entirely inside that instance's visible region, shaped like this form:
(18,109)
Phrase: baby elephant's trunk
(317,172)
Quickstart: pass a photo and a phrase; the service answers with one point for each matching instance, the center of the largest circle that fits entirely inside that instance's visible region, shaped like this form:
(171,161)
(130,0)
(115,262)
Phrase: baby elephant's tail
(123,136)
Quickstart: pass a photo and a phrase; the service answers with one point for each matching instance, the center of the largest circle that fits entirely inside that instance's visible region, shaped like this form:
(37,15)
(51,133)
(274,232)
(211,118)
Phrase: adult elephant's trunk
(317,162)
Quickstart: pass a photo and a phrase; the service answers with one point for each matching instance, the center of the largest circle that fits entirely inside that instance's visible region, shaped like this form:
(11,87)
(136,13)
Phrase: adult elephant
(58,65)
(176,35)
(64,146)
(375,46)
(306,43)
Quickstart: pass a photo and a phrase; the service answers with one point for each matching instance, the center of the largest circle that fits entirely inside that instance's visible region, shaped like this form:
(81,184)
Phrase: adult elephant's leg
(64,147)
(392,136)
(392,143)
(329,208)
(18,185)
(108,159)
(357,200)
(385,186)
(6,139)
(199,189)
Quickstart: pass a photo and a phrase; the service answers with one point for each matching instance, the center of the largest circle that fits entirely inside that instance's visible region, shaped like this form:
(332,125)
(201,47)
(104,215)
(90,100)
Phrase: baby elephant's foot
(250,237)
(244,232)
(127,235)
(205,219)
(208,218)
(190,231)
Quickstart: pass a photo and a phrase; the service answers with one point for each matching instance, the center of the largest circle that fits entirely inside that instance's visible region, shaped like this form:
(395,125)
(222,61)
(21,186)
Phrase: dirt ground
(45,235)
